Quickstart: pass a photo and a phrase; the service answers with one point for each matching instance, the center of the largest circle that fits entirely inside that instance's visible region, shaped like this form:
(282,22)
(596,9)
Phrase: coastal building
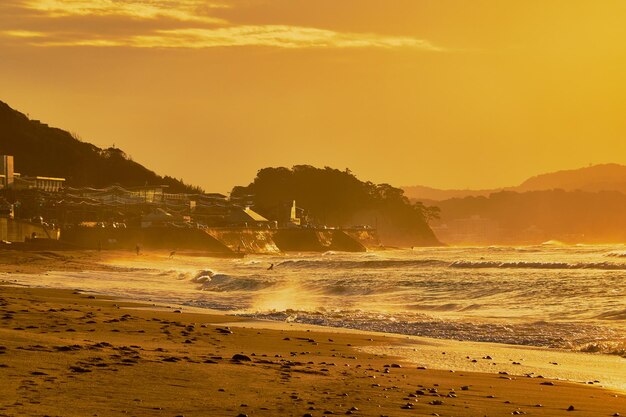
(49,184)
(118,195)
(293,214)
(290,215)
(246,217)
(157,218)
(11,179)
(6,171)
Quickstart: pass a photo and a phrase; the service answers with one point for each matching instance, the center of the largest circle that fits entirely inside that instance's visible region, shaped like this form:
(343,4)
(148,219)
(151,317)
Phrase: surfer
(271,268)
(137,249)
(172,253)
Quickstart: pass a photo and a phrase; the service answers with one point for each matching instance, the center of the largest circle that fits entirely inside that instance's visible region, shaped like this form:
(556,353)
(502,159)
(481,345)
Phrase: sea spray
(571,297)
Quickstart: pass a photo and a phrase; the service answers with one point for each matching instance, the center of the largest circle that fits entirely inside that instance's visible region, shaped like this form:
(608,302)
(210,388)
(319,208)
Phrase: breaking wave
(539,265)
(211,281)
(424,263)
(570,297)
(360,264)
(564,335)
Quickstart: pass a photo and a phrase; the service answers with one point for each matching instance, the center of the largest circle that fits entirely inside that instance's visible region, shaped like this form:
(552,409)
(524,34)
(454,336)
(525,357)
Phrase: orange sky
(444,93)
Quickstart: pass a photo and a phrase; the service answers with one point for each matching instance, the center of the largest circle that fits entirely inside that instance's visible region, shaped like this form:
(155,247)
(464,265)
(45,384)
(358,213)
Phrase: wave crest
(360,264)
(538,265)
(227,283)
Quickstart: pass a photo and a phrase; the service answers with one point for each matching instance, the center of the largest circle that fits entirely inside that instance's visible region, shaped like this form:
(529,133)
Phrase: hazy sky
(433,92)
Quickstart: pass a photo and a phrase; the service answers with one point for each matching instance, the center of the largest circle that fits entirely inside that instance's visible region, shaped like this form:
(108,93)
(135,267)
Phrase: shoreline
(577,367)
(91,347)
(68,338)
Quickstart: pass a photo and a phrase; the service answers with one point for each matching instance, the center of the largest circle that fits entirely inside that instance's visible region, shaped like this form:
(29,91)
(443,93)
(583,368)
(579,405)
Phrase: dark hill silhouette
(48,151)
(603,177)
(533,217)
(338,198)
(424,193)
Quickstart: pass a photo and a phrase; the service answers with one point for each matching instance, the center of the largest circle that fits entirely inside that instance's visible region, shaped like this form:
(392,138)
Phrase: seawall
(222,241)
(18,231)
(316,240)
(163,238)
(246,240)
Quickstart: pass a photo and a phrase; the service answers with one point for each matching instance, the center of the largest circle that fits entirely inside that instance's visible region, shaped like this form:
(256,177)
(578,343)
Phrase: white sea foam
(548,295)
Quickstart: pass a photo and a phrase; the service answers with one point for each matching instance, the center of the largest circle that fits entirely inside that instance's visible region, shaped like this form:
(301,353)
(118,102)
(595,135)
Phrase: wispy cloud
(178,24)
(24,34)
(269,35)
(183,10)
(273,35)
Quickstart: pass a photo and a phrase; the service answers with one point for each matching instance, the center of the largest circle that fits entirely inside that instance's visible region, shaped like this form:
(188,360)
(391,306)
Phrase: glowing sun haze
(443,93)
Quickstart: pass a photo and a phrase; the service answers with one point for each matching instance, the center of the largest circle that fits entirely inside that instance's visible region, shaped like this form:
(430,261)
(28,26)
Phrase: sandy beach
(67,353)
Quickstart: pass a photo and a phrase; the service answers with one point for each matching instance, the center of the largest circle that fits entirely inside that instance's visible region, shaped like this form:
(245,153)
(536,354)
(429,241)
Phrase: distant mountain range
(40,150)
(585,205)
(604,177)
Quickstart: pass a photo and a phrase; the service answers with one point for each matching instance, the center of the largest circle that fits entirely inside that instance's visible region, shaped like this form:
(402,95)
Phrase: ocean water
(567,297)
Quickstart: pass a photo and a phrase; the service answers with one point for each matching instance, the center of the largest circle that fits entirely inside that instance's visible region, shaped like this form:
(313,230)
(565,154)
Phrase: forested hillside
(334,197)
(46,151)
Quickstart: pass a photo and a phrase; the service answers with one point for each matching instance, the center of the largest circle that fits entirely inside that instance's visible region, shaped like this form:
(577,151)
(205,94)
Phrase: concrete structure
(11,179)
(6,209)
(19,231)
(293,214)
(49,184)
(6,171)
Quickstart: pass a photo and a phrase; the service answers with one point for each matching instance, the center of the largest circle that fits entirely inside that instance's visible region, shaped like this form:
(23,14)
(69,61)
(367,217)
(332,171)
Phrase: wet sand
(14,261)
(64,353)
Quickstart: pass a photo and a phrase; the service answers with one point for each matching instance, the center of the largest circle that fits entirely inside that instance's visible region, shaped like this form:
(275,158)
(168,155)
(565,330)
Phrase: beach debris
(224,330)
(38,373)
(79,369)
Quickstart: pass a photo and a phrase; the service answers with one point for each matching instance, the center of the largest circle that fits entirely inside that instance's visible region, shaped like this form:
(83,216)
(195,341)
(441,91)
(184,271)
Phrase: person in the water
(271,268)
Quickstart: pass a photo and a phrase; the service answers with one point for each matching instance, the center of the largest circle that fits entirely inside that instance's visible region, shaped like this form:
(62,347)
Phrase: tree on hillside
(334,197)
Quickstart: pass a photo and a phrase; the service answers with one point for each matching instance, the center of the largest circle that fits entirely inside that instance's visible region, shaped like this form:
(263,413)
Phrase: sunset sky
(450,94)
